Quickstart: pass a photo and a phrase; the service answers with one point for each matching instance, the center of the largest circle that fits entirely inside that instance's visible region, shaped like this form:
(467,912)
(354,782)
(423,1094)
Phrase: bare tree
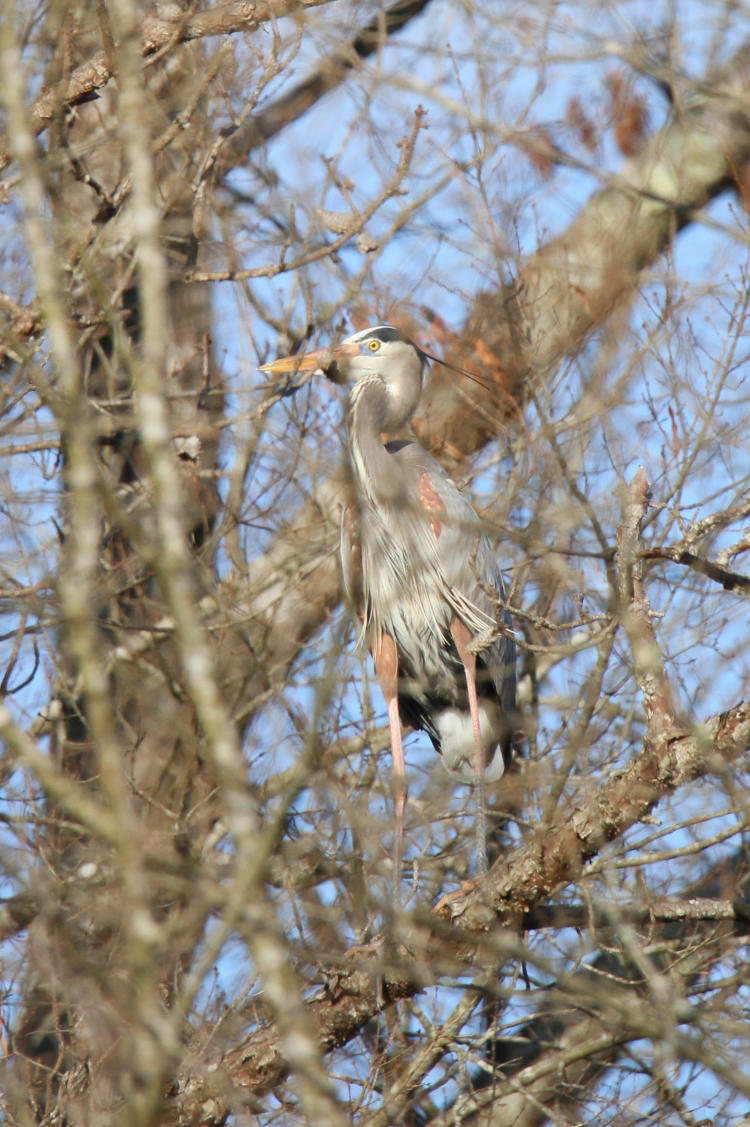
(197,808)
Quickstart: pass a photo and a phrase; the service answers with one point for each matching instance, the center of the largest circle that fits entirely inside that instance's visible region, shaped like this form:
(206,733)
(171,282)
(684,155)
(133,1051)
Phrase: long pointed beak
(319,361)
(300,362)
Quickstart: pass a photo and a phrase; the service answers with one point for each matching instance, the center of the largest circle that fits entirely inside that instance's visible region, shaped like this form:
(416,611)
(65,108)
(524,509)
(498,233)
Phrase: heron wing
(454,531)
(467,563)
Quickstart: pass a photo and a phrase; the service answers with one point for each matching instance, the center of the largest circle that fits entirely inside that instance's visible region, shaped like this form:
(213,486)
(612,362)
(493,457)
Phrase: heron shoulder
(414,459)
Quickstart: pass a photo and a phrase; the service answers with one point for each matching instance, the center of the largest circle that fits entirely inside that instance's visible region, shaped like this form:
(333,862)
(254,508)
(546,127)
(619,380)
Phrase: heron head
(380,357)
(383,353)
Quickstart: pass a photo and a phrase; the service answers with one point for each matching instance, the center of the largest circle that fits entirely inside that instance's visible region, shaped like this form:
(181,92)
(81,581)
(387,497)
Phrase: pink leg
(462,638)
(385,657)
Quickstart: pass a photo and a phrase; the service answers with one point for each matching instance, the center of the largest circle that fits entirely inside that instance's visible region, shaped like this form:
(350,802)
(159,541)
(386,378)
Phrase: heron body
(426,563)
(418,563)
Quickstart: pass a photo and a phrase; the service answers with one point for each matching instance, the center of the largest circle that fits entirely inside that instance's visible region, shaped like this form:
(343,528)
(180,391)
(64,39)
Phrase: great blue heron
(424,574)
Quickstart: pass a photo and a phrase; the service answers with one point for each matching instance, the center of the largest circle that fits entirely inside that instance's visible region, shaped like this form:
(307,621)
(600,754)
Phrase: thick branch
(557,856)
(698,909)
(17,912)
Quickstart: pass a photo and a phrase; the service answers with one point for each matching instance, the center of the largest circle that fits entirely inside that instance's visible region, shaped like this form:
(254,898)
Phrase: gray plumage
(413,582)
(418,564)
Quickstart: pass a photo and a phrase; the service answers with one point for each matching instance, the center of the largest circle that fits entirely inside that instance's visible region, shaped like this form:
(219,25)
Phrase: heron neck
(366,419)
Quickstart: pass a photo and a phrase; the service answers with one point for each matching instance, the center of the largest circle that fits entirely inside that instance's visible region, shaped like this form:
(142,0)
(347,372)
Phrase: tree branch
(514,888)
(158,32)
(565,290)
(696,909)
(163,31)
(326,77)
(729,580)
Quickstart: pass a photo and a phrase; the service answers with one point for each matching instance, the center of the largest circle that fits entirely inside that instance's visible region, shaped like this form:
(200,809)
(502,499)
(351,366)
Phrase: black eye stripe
(383,334)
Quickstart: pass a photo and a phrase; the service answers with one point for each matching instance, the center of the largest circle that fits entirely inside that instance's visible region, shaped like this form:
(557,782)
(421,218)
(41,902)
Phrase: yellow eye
(373,345)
